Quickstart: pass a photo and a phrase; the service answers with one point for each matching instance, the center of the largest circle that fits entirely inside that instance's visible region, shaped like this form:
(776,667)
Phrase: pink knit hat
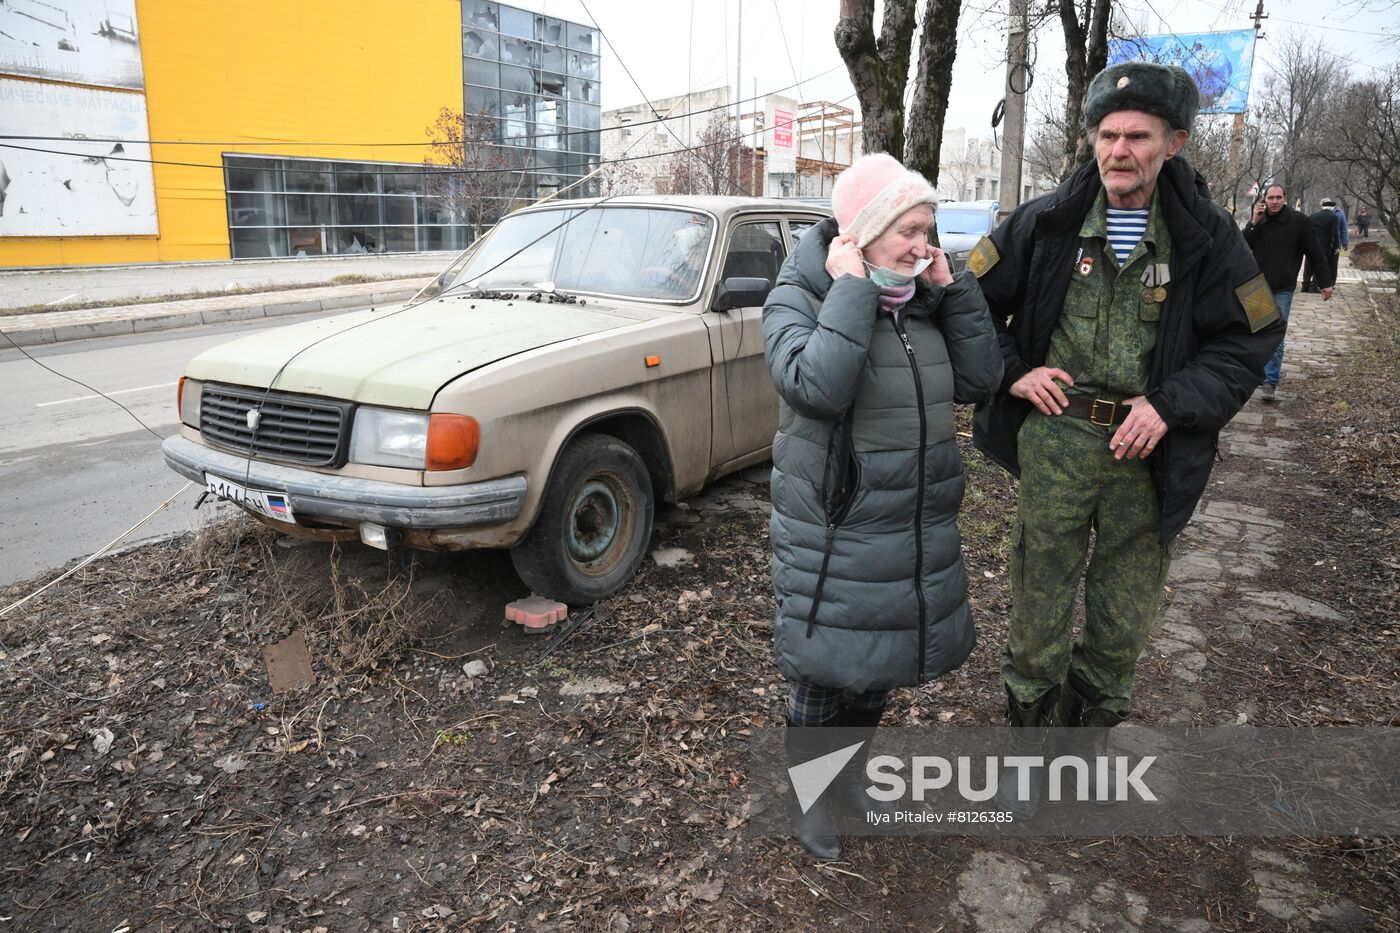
(875,192)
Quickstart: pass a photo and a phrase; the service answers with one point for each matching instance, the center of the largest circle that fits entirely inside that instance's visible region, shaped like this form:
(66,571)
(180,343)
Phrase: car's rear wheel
(593,526)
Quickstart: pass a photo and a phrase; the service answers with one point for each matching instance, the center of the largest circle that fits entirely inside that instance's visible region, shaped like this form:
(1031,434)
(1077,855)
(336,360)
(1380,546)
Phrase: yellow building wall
(269,78)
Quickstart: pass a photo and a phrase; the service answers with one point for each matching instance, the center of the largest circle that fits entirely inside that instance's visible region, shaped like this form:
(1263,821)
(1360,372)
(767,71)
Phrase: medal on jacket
(1086,263)
(1155,276)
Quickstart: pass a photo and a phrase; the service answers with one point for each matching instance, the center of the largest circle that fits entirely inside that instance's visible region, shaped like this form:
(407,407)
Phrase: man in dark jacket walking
(1134,324)
(1280,237)
(1327,229)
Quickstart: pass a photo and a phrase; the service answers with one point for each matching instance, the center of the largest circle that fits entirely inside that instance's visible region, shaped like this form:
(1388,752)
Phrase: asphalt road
(76,470)
(63,287)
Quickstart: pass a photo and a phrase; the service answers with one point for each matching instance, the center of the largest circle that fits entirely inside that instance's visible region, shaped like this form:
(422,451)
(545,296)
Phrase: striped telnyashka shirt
(1125,229)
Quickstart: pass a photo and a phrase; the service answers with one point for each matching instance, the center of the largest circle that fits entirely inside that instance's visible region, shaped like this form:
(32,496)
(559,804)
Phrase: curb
(213,310)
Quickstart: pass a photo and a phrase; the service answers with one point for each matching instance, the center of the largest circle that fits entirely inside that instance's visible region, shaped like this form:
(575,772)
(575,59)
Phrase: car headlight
(190,393)
(389,438)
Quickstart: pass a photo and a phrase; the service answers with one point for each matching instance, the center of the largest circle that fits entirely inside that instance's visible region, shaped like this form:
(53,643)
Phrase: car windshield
(961,221)
(650,253)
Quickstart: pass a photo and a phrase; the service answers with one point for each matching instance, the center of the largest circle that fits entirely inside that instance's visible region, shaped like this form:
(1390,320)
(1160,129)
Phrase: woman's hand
(843,257)
(938,272)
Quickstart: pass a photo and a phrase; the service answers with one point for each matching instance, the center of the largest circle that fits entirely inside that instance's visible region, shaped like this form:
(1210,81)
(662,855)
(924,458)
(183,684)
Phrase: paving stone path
(1233,538)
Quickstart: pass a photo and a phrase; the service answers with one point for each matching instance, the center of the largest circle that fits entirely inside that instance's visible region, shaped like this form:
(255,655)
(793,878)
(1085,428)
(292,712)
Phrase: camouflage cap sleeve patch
(984,257)
(1258,301)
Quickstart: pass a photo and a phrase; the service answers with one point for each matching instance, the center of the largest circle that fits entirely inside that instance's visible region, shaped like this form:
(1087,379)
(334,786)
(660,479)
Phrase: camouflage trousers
(1071,484)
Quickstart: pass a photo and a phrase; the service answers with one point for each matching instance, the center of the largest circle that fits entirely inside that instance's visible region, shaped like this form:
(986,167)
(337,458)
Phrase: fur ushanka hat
(1165,91)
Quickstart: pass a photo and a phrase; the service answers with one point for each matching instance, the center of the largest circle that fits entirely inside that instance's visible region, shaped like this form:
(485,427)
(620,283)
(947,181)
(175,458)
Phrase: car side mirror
(740,292)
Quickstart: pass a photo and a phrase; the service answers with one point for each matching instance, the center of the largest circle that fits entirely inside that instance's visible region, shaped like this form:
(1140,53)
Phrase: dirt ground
(593,779)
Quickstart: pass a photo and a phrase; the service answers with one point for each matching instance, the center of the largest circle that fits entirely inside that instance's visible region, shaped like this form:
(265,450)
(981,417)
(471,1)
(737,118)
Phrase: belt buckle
(1094,408)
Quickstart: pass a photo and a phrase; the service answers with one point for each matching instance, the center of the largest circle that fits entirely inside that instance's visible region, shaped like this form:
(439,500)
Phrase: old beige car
(584,360)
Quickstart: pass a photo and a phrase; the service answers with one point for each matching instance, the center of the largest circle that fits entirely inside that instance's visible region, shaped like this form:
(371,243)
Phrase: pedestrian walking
(1324,225)
(1363,223)
(1280,237)
(869,341)
(1134,325)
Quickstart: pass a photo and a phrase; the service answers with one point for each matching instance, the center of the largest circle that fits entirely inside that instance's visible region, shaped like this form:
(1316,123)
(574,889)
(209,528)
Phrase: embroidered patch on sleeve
(1258,301)
(984,257)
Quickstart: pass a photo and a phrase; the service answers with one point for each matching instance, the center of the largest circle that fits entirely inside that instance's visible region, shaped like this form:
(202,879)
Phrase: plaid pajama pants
(810,705)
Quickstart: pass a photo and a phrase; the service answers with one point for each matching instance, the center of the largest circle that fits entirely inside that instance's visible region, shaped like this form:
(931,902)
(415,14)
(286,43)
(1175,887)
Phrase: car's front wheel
(593,526)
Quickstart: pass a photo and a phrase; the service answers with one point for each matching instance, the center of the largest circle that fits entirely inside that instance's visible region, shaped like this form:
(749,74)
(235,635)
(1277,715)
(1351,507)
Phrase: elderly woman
(870,341)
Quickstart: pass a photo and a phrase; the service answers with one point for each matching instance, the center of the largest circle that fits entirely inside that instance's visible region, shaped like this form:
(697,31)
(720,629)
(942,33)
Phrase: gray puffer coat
(867,478)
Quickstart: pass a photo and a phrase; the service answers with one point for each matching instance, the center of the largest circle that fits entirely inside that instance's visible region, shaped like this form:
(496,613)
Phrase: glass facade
(323,207)
(536,77)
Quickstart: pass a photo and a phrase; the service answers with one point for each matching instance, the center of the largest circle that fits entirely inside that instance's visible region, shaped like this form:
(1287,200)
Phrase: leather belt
(1103,412)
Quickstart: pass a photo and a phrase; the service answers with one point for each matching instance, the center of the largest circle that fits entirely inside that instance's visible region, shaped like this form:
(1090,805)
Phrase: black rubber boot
(850,799)
(1027,736)
(1086,737)
(814,829)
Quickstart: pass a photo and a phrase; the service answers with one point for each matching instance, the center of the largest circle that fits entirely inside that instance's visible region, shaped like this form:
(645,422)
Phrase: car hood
(400,357)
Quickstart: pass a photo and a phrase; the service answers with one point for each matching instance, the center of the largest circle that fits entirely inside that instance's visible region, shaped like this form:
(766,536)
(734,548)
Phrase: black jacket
(1279,242)
(1208,359)
(1324,225)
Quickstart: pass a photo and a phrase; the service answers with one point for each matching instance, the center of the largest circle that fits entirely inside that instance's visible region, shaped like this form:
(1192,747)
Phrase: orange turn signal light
(653,361)
(180,398)
(452,441)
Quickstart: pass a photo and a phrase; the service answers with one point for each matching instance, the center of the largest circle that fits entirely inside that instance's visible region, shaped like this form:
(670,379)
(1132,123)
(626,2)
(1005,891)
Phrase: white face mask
(892,278)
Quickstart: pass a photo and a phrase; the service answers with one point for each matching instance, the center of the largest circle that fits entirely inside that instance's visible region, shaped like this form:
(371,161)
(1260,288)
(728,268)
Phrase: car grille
(292,428)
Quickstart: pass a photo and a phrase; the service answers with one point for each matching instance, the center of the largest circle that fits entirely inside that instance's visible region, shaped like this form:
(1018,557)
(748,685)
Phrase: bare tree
(710,166)
(468,170)
(1364,139)
(1086,54)
(618,176)
(1296,105)
(1231,165)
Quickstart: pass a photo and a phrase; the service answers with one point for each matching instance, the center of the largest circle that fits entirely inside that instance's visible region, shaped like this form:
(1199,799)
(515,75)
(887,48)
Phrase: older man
(1134,324)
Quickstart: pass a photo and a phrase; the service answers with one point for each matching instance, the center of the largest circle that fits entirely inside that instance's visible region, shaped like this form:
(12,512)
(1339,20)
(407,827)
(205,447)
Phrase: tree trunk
(932,88)
(1086,54)
(879,70)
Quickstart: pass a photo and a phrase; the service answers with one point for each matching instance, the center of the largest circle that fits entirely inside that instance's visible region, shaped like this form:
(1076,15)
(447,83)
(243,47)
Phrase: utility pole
(1013,140)
(1237,133)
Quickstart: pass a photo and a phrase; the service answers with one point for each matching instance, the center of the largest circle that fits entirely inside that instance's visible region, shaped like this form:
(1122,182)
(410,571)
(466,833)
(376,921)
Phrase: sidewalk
(59,326)
(281,289)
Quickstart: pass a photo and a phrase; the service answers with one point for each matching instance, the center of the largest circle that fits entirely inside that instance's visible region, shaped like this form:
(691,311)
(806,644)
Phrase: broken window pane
(584,90)
(583,38)
(585,66)
(548,29)
(552,58)
(551,84)
(479,44)
(481,13)
(519,52)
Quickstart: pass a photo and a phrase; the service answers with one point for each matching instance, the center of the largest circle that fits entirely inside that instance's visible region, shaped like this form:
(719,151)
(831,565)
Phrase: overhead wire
(295,142)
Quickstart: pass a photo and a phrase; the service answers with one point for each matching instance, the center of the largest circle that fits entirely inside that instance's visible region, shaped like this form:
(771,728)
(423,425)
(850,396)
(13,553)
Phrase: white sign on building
(74,185)
(79,41)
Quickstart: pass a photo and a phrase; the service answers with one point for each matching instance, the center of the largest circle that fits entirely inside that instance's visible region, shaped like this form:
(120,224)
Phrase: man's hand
(1139,433)
(1258,212)
(1327,294)
(844,258)
(937,272)
(1040,389)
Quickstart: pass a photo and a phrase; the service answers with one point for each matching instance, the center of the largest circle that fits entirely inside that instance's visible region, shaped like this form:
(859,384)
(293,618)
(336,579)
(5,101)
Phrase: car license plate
(274,505)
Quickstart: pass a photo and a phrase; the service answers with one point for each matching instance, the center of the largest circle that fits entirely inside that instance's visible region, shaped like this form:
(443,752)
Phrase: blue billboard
(1219,61)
